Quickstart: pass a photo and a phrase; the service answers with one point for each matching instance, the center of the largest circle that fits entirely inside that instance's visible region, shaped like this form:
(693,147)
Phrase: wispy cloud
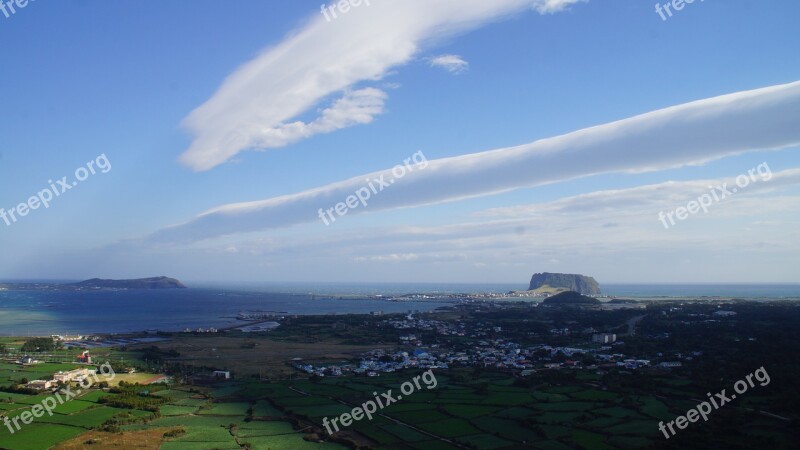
(643,200)
(257,105)
(554,6)
(451,63)
(394,257)
(691,133)
(354,108)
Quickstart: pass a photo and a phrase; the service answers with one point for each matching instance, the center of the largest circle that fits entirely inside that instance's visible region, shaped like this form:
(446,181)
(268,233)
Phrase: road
(632,324)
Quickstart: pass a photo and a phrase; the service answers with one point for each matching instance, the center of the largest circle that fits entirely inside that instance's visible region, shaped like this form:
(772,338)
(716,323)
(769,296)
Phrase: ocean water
(743,290)
(24,313)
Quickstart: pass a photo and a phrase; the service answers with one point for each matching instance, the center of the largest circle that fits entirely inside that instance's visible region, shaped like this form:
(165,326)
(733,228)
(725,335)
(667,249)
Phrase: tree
(40,345)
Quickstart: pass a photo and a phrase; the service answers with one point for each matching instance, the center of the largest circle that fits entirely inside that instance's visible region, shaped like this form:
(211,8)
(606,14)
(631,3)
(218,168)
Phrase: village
(479,345)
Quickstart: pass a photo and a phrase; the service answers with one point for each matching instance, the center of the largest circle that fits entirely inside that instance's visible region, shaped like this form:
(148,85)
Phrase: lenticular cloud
(696,132)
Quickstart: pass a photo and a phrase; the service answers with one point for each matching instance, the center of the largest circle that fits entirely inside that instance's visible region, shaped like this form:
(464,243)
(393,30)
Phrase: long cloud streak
(696,132)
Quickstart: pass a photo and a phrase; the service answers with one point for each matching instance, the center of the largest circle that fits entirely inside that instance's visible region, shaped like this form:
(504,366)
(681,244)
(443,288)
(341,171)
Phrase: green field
(74,406)
(174,410)
(486,413)
(499,415)
(223,424)
(69,419)
(37,436)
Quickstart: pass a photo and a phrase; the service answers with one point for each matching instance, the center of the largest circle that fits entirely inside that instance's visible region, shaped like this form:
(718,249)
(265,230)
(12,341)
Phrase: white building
(66,338)
(604,338)
(67,377)
(39,384)
(670,364)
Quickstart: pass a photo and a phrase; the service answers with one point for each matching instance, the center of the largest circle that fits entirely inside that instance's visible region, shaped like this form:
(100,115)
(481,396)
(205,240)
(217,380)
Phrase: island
(141,283)
(97,284)
(553,283)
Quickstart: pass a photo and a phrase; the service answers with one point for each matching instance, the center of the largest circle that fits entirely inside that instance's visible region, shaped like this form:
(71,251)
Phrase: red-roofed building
(84,358)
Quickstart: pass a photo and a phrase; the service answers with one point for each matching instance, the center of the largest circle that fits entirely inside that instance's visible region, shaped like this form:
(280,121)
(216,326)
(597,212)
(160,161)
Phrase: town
(498,353)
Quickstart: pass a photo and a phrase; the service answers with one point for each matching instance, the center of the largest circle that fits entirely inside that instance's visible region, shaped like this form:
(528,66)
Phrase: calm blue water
(63,312)
(24,313)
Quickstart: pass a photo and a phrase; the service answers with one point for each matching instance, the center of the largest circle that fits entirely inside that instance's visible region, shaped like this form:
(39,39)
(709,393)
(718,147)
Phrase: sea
(206,305)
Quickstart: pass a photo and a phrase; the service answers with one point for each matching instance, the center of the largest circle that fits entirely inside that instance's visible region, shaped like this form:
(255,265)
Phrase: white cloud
(692,133)
(394,257)
(451,63)
(255,106)
(648,200)
(554,6)
(580,223)
(354,108)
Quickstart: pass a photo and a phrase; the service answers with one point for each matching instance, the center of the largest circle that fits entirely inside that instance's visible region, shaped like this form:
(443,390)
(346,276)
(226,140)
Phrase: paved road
(632,324)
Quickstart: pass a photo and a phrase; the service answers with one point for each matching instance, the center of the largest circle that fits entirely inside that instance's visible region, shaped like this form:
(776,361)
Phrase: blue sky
(146,86)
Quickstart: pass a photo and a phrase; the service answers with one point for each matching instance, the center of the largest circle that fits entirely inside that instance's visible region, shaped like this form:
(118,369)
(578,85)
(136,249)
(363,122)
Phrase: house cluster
(201,330)
(641,363)
(77,375)
(27,360)
(207,378)
(498,354)
(440,327)
(604,338)
(487,346)
(68,338)
(633,364)
(377,361)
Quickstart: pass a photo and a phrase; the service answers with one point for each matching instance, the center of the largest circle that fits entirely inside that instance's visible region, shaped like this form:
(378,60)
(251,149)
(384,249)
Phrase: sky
(401,140)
